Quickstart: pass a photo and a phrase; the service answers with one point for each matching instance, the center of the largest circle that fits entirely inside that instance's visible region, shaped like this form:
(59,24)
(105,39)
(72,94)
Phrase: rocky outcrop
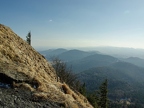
(21,98)
(22,66)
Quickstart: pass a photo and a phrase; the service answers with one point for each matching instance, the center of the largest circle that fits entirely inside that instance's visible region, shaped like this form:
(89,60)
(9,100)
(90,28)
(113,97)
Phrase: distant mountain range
(67,55)
(82,60)
(119,52)
(125,75)
(134,60)
(95,60)
(52,52)
(73,55)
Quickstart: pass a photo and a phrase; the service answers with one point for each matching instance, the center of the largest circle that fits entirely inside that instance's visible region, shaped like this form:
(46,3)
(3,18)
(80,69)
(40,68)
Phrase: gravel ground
(20,98)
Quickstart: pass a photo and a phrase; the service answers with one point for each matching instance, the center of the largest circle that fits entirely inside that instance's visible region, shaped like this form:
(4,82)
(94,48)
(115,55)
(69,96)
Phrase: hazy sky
(76,23)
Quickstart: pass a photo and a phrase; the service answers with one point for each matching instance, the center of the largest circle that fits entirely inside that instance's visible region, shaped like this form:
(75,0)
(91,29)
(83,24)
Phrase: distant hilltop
(22,66)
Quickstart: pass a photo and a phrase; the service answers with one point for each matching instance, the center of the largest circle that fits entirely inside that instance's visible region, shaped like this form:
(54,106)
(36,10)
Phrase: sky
(76,23)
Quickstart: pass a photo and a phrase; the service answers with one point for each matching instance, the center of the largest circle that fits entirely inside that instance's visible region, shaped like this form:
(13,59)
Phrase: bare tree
(64,73)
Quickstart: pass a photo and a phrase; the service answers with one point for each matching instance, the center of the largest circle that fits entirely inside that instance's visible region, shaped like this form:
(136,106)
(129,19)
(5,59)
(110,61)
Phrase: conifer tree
(28,38)
(82,89)
(93,98)
(103,100)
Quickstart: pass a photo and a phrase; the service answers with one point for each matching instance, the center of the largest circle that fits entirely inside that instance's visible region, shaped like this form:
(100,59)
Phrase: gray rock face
(20,98)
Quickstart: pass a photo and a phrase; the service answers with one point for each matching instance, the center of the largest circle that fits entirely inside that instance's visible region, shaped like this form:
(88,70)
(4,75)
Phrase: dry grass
(23,85)
(66,89)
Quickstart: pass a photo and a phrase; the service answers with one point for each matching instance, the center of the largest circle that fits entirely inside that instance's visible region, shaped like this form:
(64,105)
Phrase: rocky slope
(23,67)
(21,98)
